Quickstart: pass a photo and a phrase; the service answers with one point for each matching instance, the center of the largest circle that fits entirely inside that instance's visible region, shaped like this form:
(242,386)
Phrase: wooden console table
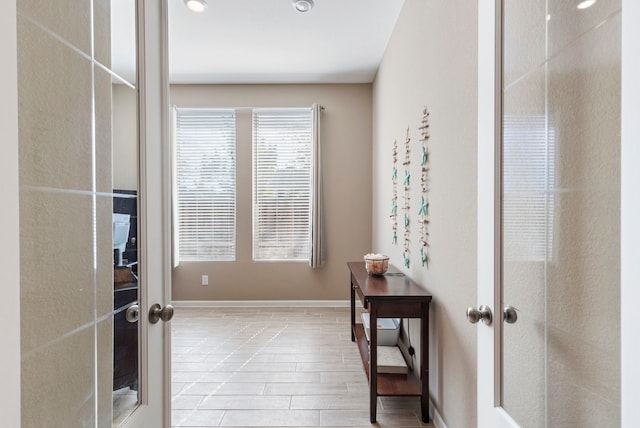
(390,296)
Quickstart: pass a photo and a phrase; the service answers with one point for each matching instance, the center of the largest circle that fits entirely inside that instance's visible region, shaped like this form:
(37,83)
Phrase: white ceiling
(268,41)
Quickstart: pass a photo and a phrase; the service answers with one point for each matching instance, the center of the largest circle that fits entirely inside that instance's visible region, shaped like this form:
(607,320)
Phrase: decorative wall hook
(394,197)
(407,198)
(423,212)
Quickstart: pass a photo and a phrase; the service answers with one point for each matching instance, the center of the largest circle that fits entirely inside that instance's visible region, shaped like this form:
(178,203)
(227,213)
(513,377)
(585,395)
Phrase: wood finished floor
(273,367)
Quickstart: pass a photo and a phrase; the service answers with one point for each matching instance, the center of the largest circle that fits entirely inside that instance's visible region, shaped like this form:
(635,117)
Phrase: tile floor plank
(273,367)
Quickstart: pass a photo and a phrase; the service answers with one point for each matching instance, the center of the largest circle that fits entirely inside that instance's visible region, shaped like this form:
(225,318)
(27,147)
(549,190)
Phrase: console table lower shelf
(388,383)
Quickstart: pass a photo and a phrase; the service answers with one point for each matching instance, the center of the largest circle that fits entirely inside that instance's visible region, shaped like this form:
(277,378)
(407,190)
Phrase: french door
(62,345)
(490,412)
(549,214)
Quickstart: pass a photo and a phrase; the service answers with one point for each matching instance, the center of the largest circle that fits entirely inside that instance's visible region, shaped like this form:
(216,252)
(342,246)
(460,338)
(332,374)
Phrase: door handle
(510,314)
(483,313)
(157,313)
(132,313)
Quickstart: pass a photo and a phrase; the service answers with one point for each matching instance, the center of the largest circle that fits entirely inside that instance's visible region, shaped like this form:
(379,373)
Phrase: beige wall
(125,137)
(431,60)
(346,145)
(66,284)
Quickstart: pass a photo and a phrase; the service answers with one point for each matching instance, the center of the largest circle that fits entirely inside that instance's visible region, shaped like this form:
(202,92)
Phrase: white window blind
(205,163)
(282,160)
(528,171)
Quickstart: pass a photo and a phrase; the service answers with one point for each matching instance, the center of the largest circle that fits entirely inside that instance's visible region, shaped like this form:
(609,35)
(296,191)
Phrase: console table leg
(373,401)
(424,406)
(353,310)
(373,362)
(424,349)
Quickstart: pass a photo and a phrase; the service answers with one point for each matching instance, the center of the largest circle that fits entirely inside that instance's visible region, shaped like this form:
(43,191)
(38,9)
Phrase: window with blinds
(528,176)
(205,164)
(282,155)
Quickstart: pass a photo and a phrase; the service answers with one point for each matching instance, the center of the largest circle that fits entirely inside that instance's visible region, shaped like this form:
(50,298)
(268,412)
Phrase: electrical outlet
(205,279)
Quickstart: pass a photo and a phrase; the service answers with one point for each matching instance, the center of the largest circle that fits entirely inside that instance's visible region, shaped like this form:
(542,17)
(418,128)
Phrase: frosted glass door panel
(561,213)
(526,238)
(124,193)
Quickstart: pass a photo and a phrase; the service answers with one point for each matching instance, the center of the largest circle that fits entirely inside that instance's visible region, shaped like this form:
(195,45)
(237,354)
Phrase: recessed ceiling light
(197,6)
(586,3)
(303,5)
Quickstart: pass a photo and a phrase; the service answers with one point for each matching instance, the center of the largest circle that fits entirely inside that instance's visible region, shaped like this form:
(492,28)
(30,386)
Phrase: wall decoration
(423,212)
(423,208)
(407,205)
(394,197)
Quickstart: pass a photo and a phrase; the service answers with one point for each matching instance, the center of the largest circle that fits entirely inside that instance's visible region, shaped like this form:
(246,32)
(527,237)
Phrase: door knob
(510,314)
(157,313)
(133,312)
(483,313)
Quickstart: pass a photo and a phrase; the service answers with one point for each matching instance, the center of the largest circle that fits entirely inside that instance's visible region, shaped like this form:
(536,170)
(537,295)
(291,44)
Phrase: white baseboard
(435,416)
(261,303)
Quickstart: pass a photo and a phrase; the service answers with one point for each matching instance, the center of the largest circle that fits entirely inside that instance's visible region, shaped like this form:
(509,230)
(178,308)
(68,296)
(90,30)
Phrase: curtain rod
(257,108)
(322,108)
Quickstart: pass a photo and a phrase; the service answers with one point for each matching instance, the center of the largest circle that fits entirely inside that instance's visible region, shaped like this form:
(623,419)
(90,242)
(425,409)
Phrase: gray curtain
(317,235)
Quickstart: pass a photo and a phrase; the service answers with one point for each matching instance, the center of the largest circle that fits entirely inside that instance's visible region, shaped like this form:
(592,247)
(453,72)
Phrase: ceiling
(268,41)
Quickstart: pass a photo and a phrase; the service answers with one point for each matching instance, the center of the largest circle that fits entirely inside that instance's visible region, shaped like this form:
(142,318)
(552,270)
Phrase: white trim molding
(630,210)
(436,419)
(9,216)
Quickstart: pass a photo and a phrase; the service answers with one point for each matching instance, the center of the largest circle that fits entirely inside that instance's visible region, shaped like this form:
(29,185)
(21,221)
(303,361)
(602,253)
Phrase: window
(205,173)
(282,162)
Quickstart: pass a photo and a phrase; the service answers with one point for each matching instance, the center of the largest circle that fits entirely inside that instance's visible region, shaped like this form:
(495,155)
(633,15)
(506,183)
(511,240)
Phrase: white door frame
(155,219)
(489,415)
(9,219)
(630,221)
